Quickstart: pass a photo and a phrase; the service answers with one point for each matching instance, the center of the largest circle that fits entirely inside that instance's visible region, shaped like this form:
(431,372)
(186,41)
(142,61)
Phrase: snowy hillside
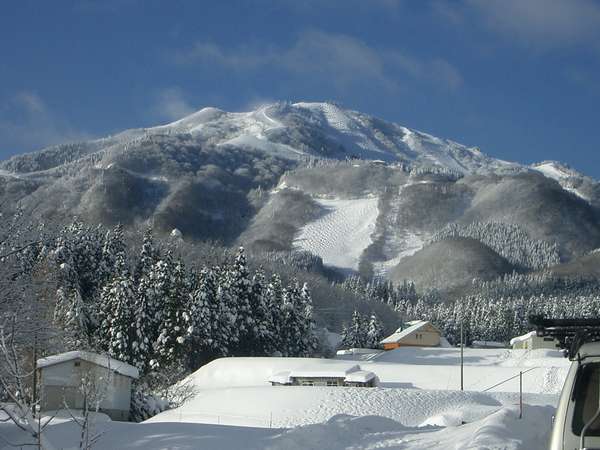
(568,178)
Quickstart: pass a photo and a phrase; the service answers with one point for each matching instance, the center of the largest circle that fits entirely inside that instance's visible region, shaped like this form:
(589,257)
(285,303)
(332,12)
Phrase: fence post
(521,395)
(271,420)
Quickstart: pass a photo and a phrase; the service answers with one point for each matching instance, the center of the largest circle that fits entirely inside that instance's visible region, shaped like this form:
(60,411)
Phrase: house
(60,377)
(419,333)
(325,376)
(532,341)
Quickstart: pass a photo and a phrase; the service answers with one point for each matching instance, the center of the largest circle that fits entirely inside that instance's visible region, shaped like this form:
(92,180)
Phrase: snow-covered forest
(86,287)
(497,310)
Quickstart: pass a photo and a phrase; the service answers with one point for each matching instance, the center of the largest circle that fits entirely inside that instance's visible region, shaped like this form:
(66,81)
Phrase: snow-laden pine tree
(309,340)
(149,255)
(150,291)
(274,301)
(71,313)
(236,283)
(170,345)
(291,329)
(114,244)
(203,320)
(374,332)
(117,299)
(259,335)
(355,335)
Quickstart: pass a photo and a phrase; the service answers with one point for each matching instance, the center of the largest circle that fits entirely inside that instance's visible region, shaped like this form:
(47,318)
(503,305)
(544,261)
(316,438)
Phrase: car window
(586,396)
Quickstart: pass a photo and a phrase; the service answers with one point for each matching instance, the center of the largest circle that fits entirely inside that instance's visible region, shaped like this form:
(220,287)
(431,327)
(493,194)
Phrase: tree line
(148,309)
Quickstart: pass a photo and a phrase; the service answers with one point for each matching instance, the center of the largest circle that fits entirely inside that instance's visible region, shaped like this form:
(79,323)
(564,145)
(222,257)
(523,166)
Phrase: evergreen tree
(175,320)
(259,336)
(374,332)
(117,299)
(236,284)
(203,320)
(274,301)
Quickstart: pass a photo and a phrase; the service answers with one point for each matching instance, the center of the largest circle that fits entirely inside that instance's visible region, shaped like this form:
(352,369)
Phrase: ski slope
(342,233)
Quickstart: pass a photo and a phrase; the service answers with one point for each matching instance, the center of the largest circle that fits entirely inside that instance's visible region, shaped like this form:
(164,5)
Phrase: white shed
(532,341)
(60,378)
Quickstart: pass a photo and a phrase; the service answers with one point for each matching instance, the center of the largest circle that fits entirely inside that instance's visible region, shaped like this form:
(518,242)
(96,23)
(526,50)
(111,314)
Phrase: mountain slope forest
(361,213)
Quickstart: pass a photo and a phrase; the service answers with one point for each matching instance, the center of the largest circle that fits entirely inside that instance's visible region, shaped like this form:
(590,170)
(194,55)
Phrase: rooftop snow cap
(94,358)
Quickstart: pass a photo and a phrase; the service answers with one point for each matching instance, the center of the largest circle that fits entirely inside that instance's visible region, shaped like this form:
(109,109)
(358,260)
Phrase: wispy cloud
(542,23)
(337,59)
(27,123)
(171,104)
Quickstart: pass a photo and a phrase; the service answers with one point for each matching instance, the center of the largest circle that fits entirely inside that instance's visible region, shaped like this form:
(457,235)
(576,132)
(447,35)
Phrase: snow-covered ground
(416,406)
(342,233)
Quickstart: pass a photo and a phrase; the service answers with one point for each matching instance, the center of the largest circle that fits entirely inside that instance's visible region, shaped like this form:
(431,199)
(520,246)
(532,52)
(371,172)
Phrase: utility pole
(461,354)
(34,387)
(521,395)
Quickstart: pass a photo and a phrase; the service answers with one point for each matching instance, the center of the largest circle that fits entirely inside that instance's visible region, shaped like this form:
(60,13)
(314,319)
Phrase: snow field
(500,430)
(292,406)
(343,232)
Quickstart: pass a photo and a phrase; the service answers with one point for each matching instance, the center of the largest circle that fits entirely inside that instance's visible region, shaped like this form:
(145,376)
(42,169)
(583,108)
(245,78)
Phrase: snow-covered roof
(94,358)
(281,378)
(518,339)
(348,373)
(360,376)
(400,334)
(316,370)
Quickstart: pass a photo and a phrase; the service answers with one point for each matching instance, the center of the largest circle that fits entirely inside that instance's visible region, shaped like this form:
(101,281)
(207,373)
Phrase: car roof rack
(570,333)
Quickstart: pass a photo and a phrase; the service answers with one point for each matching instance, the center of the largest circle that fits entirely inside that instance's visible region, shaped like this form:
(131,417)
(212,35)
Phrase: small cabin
(351,376)
(419,333)
(532,341)
(60,378)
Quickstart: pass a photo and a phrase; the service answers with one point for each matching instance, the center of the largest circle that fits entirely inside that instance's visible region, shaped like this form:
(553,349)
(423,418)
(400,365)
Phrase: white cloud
(26,123)
(172,105)
(542,23)
(340,60)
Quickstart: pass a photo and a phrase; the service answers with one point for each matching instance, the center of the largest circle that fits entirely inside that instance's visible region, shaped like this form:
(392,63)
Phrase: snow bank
(522,338)
(340,236)
(501,430)
(290,406)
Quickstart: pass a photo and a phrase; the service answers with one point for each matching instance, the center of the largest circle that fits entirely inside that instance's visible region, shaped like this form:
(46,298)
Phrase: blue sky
(518,78)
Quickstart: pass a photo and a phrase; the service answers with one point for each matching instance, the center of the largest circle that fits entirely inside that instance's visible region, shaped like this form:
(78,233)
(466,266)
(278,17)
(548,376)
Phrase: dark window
(586,392)
(548,339)
(77,363)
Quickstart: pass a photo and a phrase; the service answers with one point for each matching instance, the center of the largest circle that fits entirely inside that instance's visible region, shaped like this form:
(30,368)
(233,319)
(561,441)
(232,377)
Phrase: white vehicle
(577,419)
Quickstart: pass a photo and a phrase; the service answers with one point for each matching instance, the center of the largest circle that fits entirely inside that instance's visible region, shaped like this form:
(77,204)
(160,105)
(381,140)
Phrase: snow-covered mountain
(327,130)
(293,131)
(364,194)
